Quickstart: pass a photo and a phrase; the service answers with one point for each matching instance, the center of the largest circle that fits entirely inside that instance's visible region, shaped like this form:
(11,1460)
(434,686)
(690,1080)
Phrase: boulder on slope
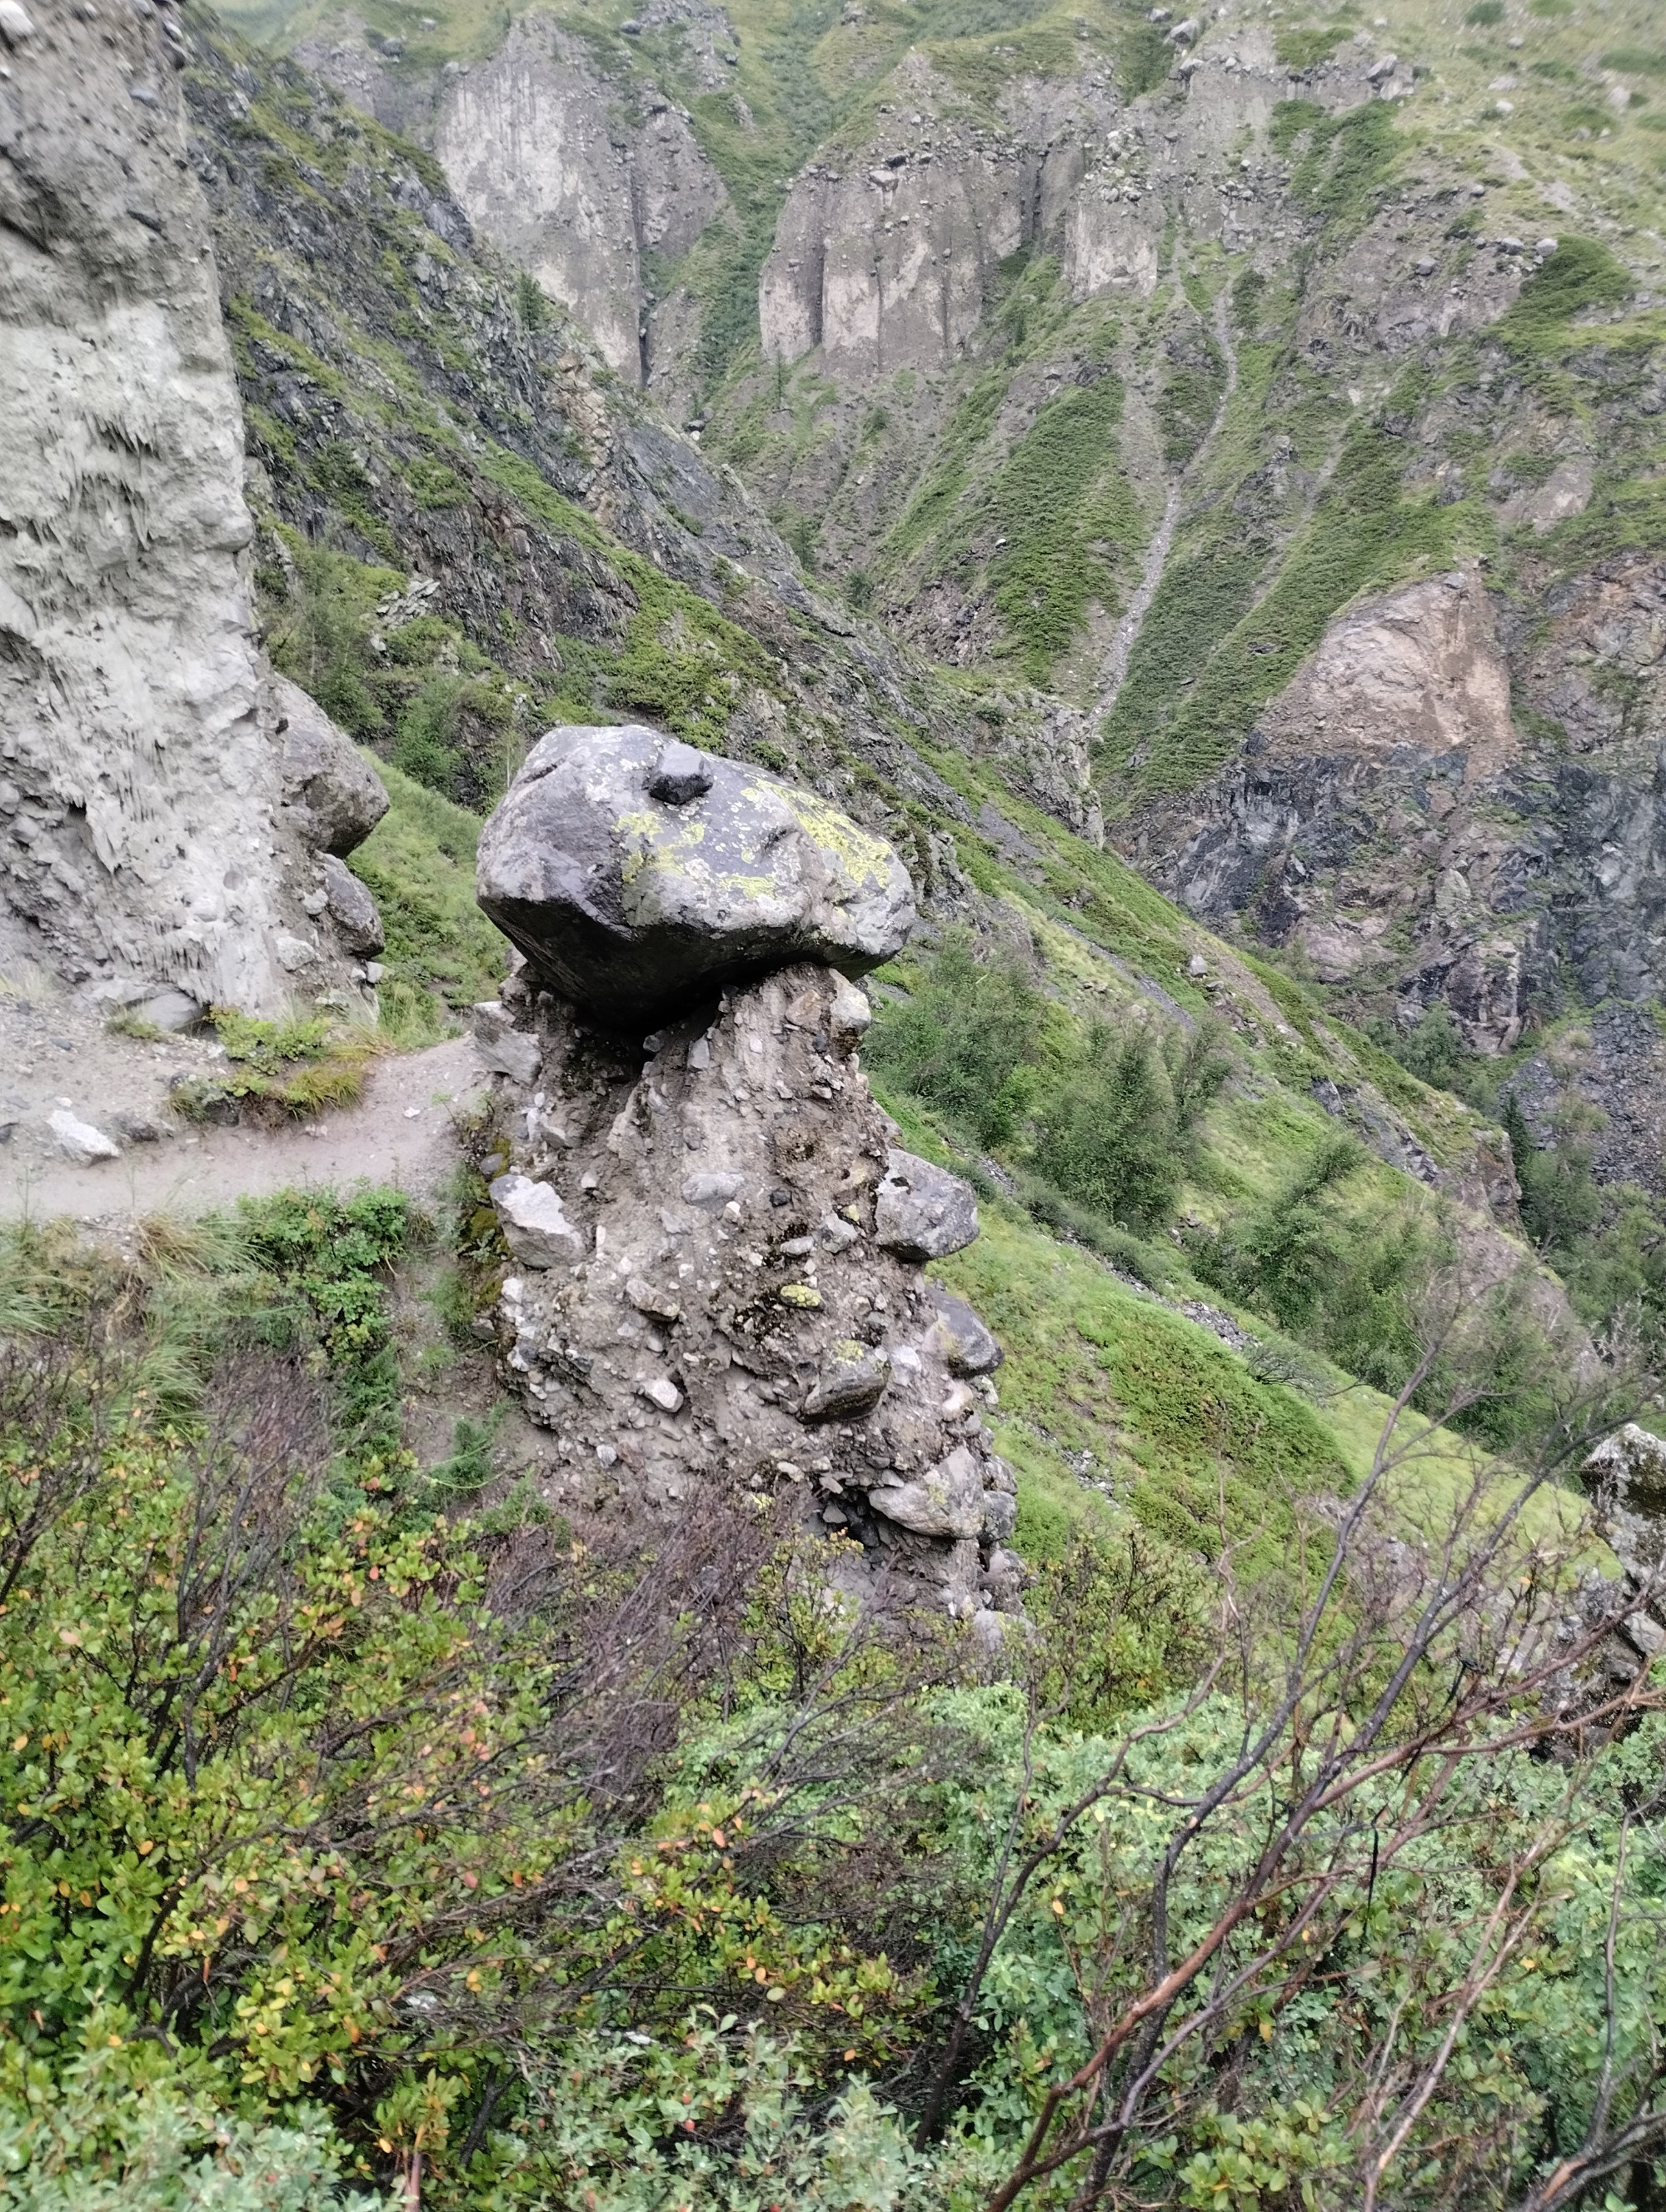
(638,875)
(334,794)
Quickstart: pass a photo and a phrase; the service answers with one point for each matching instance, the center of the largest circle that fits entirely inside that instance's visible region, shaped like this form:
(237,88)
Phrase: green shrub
(1280,1256)
(963,1038)
(1560,1200)
(531,303)
(1118,1135)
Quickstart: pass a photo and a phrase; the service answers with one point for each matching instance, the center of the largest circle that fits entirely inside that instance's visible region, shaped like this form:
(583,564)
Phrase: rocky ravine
(169,808)
(718,1241)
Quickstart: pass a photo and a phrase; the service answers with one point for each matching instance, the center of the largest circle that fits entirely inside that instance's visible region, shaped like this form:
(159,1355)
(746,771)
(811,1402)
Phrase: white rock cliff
(140,784)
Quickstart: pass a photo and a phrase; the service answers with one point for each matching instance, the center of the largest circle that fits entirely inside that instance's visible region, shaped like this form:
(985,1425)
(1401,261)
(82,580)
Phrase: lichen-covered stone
(967,1346)
(852,1380)
(637,907)
(946,1500)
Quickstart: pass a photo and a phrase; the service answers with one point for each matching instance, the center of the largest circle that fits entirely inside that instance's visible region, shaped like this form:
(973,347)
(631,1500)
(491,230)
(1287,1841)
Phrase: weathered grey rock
(535,1227)
(352,908)
(146,834)
(1629,1468)
(923,1213)
(79,1140)
(966,1345)
(1000,1514)
(633,908)
(565,170)
(336,797)
(719,1187)
(294,954)
(140,1129)
(503,1049)
(1004,1577)
(712,1327)
(947,1500)
(851,1381)
(683,773)
(173,1012)
(851,1016)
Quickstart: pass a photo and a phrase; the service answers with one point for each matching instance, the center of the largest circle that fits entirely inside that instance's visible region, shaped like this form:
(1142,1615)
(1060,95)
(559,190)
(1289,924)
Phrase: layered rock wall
(577,176)
(548,167)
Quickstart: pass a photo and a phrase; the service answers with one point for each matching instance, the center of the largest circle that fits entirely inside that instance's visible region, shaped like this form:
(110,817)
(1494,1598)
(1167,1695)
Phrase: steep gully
(1113,673)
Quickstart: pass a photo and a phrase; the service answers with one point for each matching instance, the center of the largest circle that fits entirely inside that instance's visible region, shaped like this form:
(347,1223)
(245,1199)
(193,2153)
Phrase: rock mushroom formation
(716,1238)
(634,871)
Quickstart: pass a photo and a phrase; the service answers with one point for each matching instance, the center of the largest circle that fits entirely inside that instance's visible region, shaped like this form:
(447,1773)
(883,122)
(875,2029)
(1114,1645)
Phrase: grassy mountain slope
(564,555)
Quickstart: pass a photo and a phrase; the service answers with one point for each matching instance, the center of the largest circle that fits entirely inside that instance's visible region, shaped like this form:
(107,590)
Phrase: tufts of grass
(292,1069)
(441,954)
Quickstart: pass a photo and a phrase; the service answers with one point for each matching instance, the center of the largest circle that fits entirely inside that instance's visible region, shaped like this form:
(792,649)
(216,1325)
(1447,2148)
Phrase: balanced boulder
(638,875)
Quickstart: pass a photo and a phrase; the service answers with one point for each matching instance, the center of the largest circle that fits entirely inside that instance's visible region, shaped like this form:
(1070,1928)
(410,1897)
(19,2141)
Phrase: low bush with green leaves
(348,1847)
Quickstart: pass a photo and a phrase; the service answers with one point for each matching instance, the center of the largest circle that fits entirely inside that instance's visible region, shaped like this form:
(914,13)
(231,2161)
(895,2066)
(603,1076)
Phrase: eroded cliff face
(885,260)
(145,831)
(1392,822)
(551,171)
(579,178)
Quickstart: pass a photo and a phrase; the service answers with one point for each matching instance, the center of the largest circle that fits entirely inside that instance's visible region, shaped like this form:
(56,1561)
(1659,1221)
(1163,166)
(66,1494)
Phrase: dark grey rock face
(639,877)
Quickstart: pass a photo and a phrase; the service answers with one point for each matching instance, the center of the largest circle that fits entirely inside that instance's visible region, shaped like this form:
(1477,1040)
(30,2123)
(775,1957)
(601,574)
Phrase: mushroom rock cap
(638,874)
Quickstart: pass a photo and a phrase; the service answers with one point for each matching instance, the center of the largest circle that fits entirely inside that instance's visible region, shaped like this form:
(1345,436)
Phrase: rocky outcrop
(573,171)
(701,1289)
(1625,1479)
(143,831)
(637,875)
(538,149)
(1398,819)
(333,796)
(884,257)
(715,1239)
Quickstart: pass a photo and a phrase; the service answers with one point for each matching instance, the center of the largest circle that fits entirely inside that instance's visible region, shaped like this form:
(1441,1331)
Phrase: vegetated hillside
(563,553)
(372,1821)
(1151,374)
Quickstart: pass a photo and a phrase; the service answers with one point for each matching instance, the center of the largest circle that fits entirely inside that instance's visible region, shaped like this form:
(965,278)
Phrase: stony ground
(58,1052)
